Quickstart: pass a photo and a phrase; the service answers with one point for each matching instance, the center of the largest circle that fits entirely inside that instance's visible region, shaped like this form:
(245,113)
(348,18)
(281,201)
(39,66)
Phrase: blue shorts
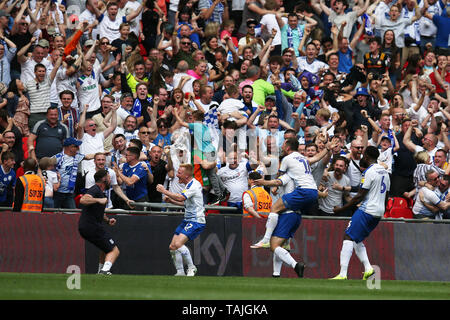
(190,229)
(287,224)
(361,225)
(300,199)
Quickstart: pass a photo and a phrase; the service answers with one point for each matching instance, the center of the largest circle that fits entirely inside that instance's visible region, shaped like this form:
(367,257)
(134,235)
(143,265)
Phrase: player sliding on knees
(194,218)
(272,219)
(289,206)
(373,193)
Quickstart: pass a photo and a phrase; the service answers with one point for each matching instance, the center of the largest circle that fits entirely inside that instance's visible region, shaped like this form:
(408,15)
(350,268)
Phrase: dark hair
(138,62)
(227,124)
(39,65)
(254,175)
(246,87)
(7,155)
(291,131)
(221,50)
(137,142)
(312,144)
(332,54)
(51,108)
(4,114)
(66,92)
(335,159)
(292,143)
(29,165)
(13,87)
(134,151)
(372,153)
(377,40)
(119,135)
(100,174)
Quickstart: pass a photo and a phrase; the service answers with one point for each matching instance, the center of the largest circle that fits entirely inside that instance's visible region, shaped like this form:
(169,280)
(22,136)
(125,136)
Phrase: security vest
(33,195)
(262,202)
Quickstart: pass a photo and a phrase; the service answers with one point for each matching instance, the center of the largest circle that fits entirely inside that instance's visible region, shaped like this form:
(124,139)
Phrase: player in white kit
(296,167)
(373,194)
(194,218)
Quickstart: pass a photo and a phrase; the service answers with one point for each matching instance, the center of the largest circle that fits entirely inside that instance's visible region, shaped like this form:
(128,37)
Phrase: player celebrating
(373,193)
(194,218)
(92,214)
(297,167)
(288,187)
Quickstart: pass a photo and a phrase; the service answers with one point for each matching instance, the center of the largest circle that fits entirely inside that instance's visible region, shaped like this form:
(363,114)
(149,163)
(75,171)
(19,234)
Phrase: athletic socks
(361,252)
(285,256)
(277,264)
(346,254)
(177,260)
(186,255)
(107,266)
(271,223)
(100,266)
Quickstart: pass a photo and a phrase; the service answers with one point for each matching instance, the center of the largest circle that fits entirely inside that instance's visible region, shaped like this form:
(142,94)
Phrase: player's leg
(271,223)
(102,240)
(277,264)
(178,240)
(110,258)
(101,261)
(361,252)
(288,223)
(189,231)
(345,256)
(360,226)
(272,220)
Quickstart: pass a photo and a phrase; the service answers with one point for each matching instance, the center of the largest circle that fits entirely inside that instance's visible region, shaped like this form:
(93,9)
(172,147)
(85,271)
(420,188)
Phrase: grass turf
(26,286)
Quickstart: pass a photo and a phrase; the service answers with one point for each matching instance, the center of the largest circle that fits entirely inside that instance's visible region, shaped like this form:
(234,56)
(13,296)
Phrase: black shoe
(106,273)
(299,268)
(214,199)
(276,276)
(223,197)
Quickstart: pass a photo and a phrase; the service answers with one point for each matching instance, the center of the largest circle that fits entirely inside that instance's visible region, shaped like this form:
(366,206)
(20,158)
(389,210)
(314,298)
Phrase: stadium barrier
(49,242)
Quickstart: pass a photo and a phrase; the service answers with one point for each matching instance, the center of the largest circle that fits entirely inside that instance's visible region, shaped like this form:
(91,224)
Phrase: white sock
(177,260)
(107,266)
(361,252)
(100,266)
(271,223)
(277,264)
(346,254)
(186,254)
(285,256)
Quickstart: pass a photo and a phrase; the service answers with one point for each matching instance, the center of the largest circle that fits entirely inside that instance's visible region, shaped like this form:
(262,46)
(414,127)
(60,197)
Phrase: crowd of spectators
(140,87)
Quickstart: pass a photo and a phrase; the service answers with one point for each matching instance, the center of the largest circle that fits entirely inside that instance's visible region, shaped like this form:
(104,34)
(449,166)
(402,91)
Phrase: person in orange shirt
(30,189)
(256,201)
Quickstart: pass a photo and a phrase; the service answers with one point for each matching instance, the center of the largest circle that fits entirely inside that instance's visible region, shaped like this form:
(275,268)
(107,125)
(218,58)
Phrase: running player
(297,167)
(90,223)
(373,193)
(194,218)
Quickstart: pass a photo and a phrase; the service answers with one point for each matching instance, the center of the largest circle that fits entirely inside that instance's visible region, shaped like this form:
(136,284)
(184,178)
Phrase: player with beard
(90,223)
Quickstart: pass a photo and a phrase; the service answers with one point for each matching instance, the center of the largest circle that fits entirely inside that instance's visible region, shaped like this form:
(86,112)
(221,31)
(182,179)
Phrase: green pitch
(26,286)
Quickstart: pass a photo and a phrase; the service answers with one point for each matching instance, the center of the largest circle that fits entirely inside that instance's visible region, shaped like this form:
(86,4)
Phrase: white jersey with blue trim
(376,180)
(297,167)
(193,203)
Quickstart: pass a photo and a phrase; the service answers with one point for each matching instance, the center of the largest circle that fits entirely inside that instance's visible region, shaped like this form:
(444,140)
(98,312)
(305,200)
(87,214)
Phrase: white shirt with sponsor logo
(235,180)
(297,167)
(194,208)
(376,180)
